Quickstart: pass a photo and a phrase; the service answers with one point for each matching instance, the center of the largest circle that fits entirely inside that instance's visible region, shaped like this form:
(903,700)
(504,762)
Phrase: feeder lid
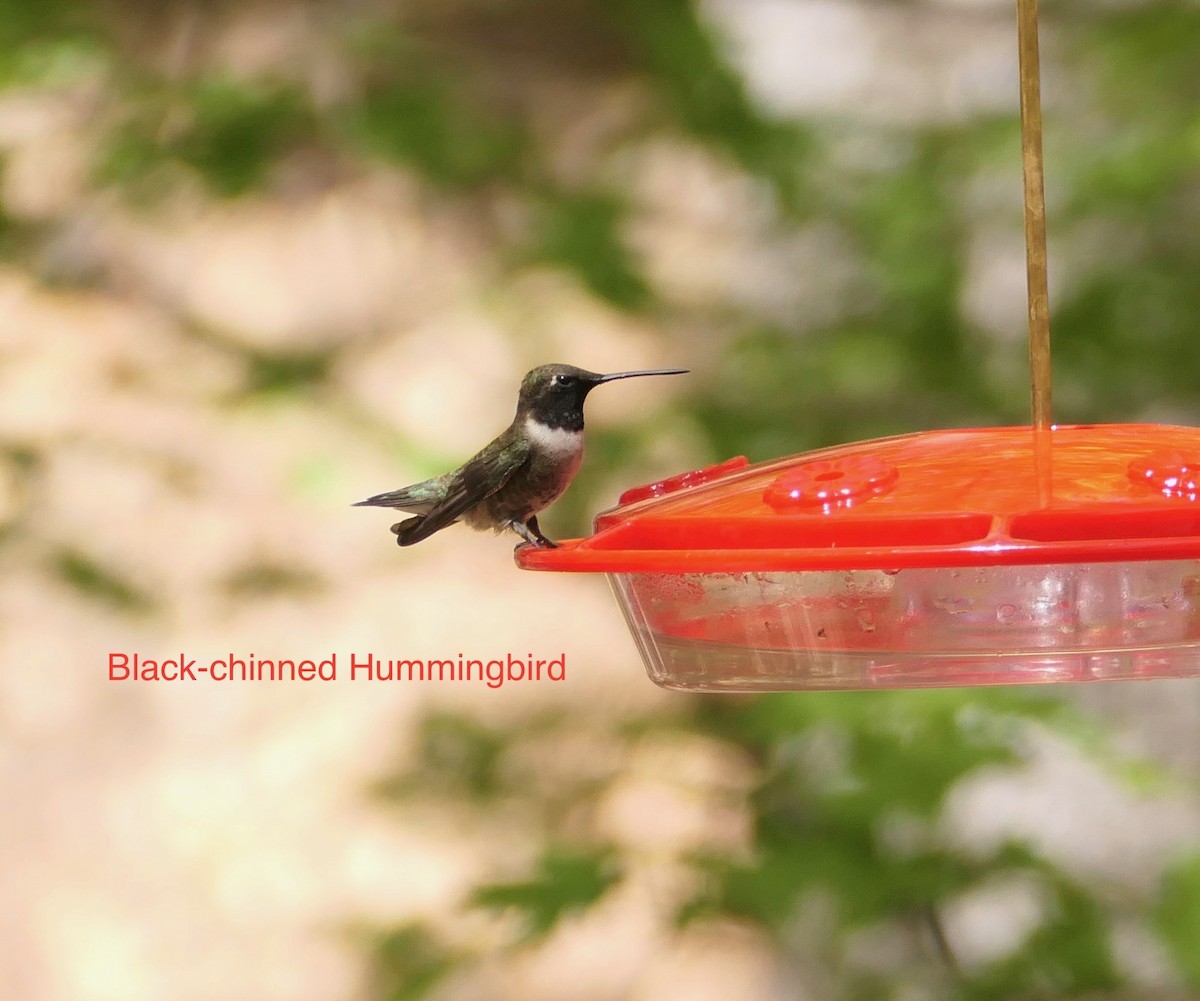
(972,497)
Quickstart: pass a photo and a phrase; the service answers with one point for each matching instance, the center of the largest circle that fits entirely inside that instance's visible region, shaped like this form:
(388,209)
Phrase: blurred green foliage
(23,30)
(411,961)
(426,125)
(704,97)
(453,94)
(833,777)
(98,583)
(1178,917)
(433,95)
(566,880)
(582,233)
(230,133)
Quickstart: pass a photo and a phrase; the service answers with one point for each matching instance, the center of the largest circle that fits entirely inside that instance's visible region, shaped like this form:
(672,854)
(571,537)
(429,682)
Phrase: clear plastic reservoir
(916,628)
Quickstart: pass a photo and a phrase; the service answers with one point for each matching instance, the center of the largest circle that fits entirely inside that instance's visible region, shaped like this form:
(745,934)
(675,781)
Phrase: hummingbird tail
(403,530)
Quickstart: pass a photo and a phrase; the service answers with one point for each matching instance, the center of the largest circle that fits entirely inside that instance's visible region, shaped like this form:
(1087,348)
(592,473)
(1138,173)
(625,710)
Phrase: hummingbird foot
(533,535)
(532,524)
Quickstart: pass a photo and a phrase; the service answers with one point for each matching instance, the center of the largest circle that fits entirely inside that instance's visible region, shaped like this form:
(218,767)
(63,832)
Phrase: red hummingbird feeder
(961,557)
(969,557)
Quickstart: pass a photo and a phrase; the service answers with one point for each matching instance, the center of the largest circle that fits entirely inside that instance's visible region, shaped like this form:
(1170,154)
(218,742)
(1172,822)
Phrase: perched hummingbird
(522,471)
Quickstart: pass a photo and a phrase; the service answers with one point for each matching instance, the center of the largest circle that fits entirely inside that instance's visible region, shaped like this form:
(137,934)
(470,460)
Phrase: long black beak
(630,375)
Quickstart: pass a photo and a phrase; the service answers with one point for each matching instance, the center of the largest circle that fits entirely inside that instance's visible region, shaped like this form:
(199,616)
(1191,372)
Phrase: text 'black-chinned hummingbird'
(521,472)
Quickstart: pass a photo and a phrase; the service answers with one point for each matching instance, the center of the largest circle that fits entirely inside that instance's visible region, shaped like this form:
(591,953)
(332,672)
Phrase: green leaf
(566,881)
(454,756)
(429,126)
(408,963)
(1067,956)
(22,22)
(1178,917)
(86,575)
(706,95)
(230,132)
(583,233)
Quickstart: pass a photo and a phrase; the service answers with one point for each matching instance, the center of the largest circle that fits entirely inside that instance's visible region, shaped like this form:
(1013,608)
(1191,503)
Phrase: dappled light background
(260,260)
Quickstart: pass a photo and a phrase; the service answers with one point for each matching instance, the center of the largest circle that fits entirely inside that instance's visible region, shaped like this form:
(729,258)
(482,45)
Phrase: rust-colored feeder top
(963,557)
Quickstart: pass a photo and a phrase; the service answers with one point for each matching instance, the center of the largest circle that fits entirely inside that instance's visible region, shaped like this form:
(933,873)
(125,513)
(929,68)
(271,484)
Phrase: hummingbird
(519,473)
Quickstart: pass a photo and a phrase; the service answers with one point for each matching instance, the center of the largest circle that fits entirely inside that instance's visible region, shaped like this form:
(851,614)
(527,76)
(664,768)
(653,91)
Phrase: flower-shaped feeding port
(966,557)
(831,483)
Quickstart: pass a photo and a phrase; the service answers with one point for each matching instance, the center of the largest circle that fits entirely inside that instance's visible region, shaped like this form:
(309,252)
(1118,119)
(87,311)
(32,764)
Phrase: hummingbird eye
(563,380)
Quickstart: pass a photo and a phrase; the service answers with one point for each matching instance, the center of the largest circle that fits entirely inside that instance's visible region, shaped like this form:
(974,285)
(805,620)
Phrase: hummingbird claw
(531,533)
(542,541)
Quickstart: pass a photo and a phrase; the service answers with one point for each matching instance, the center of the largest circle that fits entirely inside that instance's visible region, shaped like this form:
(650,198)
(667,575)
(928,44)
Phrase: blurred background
(259,260)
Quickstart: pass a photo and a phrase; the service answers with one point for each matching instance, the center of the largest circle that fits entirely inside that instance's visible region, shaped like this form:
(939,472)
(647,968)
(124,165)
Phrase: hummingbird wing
(481,477)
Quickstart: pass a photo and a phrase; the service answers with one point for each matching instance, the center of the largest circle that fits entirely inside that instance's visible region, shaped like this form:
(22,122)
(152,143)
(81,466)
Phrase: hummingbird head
(553,395)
